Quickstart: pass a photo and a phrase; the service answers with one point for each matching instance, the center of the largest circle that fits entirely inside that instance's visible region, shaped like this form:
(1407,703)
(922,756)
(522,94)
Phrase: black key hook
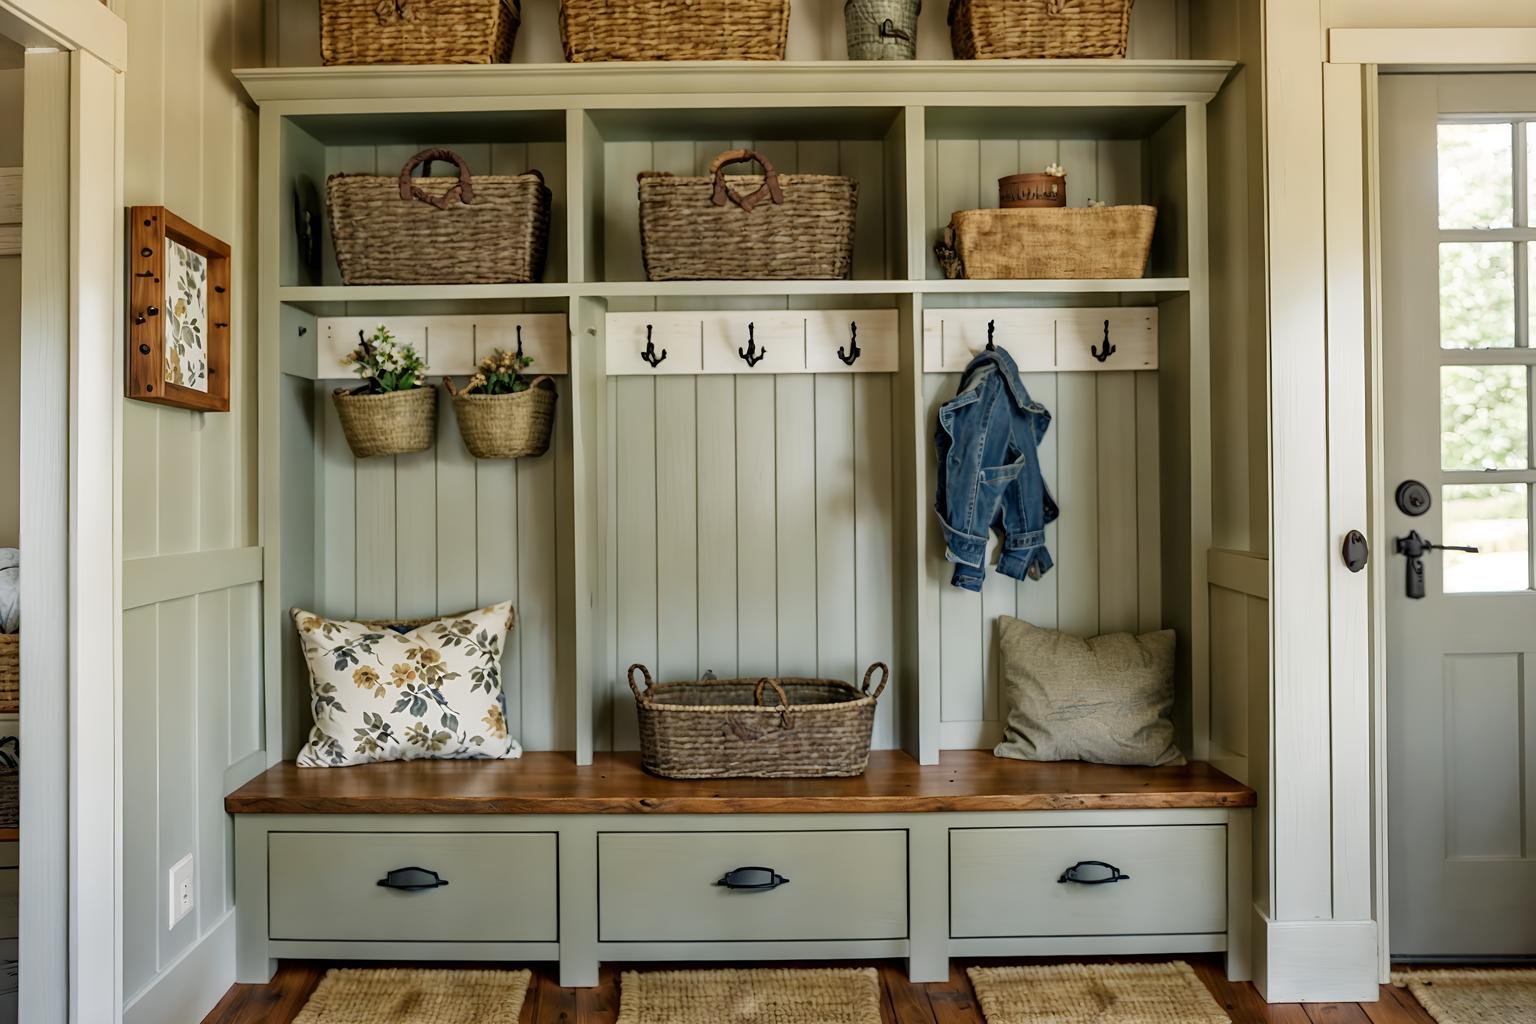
(752,355)
(853,352)
(649,353)
(1109,347)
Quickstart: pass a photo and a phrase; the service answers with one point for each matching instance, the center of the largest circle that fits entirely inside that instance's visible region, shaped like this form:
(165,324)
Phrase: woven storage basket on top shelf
(596,30)
(881,29)
(483,229)
(991,29)
(418,31)
(721,729)
(771,227)
(10,673)
(511,426)
(394,423)
(1103,242)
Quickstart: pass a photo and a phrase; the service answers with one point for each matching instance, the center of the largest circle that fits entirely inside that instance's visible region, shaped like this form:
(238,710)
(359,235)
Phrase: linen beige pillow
(1106,699)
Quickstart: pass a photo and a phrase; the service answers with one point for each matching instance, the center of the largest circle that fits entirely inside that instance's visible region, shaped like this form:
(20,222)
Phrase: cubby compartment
(1112,155)
(319,145)
(863,143)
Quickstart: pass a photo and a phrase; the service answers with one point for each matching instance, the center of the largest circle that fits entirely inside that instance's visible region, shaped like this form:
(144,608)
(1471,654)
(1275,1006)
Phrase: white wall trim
(1432,46)
(1241,571)
(69,25)
(163,578)
(193,984)
(1315,961)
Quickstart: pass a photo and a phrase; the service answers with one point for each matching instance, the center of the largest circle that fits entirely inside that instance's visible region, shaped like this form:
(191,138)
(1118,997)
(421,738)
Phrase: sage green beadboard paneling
(192,675)
(10,400)
(1159,29)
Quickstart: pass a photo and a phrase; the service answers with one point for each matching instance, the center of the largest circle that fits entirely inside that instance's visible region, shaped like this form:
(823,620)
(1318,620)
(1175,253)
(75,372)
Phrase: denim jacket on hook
(989,473)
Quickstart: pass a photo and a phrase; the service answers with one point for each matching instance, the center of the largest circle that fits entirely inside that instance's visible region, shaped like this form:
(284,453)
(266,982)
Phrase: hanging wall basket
(394,423)
(514,426)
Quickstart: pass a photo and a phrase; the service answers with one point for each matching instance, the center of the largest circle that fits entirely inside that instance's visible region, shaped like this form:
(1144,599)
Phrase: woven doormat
(417,997)
(1095,994)
(1473,997)
(821,996)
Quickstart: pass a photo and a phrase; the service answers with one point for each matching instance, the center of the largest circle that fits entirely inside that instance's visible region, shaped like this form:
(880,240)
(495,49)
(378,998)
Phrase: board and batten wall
(192,703)
(10,328)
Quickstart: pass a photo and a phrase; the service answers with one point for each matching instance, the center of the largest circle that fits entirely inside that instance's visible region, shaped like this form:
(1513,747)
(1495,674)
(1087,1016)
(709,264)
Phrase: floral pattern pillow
(382,695)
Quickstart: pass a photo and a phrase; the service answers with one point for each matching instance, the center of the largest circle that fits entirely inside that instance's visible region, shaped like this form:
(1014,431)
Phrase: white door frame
(71,907)
(1351,173)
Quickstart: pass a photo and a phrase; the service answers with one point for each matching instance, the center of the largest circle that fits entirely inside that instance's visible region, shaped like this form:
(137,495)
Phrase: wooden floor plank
(1409,1004)
(1387,1010)
(556,1005)
(908,1000)
(1336,1013)
(953,1001)
(600,1005)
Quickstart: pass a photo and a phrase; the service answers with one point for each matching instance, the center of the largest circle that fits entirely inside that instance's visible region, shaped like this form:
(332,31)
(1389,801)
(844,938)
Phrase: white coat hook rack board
(753,342)
(451,345)
(1043,340)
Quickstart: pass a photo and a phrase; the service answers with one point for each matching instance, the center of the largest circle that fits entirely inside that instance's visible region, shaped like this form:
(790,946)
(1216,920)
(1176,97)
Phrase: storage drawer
(325,886)
(673,341)
(1006,882)
(663,886)
(775,341)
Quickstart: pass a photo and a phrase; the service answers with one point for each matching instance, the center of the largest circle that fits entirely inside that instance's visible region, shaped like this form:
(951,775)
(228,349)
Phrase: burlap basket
(596,30)
(418,31)
(771,227)
(394,423)
(721,729)
(991,29)
(1048,244)
(483,229)
(512,426)
(881,29)
(10,673)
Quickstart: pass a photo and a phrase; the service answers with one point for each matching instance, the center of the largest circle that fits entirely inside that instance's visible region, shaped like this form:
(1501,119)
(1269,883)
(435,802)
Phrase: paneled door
(1458,244)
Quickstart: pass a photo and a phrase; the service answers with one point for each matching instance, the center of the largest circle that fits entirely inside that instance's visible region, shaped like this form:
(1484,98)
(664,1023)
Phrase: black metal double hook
(852,353)
(991,329)
(1109,347)
(519,343)
(752,355)
(649,353)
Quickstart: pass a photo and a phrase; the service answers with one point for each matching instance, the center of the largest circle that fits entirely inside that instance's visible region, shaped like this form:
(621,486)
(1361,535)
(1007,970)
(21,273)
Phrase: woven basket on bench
(721,729)
(418,31)
(990,29)
(594,30)
(746,227)
(1097,243)
(10,673)
(484,229)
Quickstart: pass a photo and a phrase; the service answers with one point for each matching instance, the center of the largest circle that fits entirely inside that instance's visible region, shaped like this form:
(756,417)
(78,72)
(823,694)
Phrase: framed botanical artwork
(178,313)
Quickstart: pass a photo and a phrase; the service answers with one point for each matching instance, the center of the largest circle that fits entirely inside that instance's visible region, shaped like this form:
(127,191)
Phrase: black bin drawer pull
(1092,872)
(752,880)
(413,880)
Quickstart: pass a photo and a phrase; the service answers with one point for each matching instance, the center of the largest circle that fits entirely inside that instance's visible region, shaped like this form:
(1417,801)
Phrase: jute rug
(417,997)
(1473,997)
(1095,994)
(768,996)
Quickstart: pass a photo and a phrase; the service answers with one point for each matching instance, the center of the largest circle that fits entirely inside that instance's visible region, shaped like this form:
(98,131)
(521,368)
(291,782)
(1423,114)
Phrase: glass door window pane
(1484,418)
(1476,175)
(1493,518)
(1477,295)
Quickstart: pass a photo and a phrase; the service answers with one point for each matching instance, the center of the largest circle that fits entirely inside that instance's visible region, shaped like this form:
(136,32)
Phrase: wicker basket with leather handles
(769,227)
(418,31)
(597,30)
(756,728)
(993,29)
(481,229)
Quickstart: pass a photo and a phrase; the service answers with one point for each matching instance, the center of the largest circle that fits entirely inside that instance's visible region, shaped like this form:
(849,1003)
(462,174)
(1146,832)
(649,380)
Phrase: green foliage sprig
(386,364)
(500,373)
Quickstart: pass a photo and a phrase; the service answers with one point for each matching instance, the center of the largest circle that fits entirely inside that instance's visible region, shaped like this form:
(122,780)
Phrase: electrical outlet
(183,890)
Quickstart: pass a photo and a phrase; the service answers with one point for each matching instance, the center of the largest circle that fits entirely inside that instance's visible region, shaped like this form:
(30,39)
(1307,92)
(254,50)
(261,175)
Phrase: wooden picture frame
(178,313)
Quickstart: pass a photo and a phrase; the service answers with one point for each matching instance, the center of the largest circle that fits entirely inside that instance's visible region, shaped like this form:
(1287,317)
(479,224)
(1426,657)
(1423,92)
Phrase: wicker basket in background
(771,227)
(10,673)
(394,423)
(483,229)
(993,29)
(1098,243)
(721,729)
(597,30)
(418,31)
(511,426)
(881,29)
(10,782)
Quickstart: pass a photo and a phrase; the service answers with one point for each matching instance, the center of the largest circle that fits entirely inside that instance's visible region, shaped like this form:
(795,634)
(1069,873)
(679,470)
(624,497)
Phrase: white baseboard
(1315,961)
(191,986)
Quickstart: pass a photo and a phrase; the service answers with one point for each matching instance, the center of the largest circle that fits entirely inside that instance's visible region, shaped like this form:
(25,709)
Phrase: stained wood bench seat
(551,783)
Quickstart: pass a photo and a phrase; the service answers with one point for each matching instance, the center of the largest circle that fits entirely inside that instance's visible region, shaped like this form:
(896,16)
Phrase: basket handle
(885,677)
(650,684)
(463,191)
(770,186)
(757,695)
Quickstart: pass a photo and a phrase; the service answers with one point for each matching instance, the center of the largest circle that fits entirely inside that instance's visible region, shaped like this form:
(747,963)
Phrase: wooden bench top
(551,783)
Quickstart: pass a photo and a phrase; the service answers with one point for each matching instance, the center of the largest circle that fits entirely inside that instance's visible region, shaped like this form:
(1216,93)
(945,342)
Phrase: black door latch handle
(1093,872)
(752,880)
(413,880)
(1415,548)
